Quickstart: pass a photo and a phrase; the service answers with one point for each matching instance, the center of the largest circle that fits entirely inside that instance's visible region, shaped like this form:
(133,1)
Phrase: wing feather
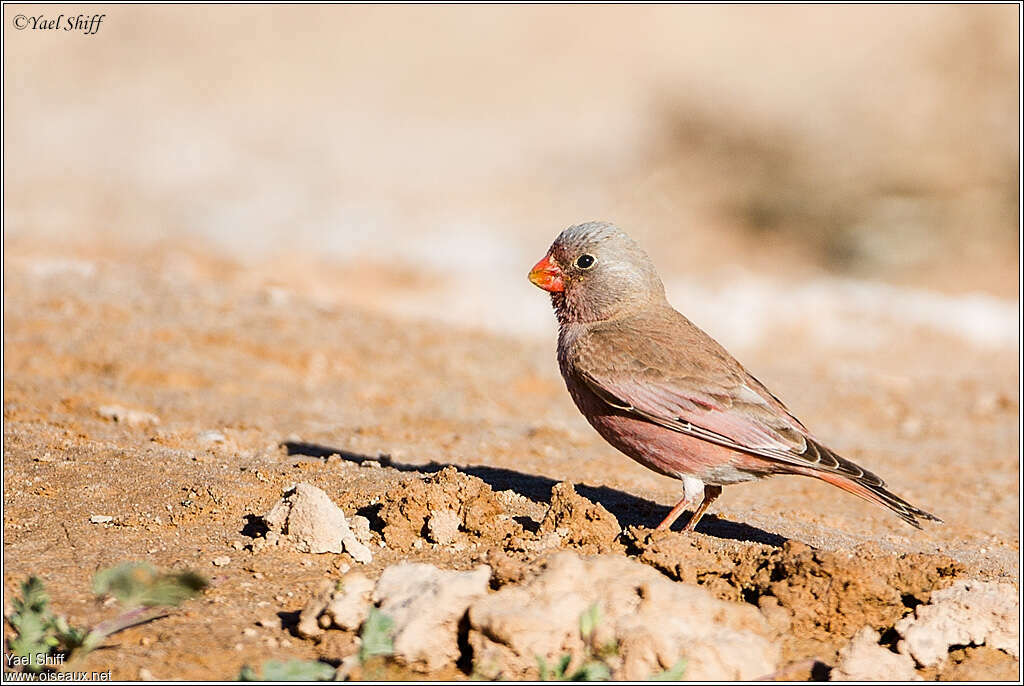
(708,396)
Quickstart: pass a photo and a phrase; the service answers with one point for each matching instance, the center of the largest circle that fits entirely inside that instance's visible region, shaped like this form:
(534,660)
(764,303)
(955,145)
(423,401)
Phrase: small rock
(146,675)
(863,659)
(346,668)
(361,528)
(443,526)
(427,605)
(309,626)
(370,464)
(211,437)
(586,524)
(351,602)
(100,519)
(967,613)
(249,631)
(777,616)
(123,415)
(268,623)
(221,561)
(314,524)
(654,621)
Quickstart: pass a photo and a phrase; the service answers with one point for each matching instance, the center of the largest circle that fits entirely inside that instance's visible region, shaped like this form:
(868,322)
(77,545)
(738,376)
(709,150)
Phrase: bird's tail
(876,493)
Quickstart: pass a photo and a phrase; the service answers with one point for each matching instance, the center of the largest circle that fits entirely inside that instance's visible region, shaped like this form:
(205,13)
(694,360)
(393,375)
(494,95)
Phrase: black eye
(585,261)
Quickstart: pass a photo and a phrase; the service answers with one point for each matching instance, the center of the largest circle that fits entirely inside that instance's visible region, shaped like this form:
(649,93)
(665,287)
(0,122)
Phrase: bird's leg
(673,514)
(710,494)
(692,487)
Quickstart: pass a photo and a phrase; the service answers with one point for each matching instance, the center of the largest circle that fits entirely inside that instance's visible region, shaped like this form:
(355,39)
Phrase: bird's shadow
(627,508)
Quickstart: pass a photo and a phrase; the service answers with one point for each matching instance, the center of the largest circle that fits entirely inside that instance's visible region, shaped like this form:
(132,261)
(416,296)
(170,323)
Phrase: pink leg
(710,494)
(673,515)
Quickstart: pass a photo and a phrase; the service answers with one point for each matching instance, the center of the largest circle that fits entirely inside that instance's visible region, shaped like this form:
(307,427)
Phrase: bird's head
(595,272)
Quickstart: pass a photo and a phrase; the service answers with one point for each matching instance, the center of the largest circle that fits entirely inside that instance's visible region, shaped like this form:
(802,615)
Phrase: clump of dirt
(408,514)
(828,596)
(972,663)
(506,569)
(581,523)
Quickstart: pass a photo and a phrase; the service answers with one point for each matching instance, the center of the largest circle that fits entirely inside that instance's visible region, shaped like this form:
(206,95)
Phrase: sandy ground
(307,230)
(288,380)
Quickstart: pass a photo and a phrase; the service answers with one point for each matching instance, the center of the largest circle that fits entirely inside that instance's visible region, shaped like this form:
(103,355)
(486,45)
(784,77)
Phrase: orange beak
(546,274)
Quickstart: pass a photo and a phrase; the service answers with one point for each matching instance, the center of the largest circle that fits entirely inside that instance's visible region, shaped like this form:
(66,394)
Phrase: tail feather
(876,493)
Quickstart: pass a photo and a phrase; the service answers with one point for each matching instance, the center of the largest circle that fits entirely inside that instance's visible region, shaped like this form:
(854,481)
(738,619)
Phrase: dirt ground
(251,246)
(365,406)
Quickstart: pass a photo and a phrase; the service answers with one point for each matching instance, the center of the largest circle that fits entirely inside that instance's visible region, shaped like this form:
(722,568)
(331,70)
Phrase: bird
(662,391)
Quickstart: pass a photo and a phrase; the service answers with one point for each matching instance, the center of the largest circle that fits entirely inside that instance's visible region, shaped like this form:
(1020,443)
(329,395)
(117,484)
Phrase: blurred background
(840,168)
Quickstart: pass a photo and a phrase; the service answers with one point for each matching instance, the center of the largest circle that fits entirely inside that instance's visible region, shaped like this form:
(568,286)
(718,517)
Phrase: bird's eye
(585,261)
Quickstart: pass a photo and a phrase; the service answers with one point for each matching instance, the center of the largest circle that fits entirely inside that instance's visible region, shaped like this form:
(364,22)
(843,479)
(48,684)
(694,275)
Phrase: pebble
(249,631)
(100,519)
(221,561)
(211,437)
(146,675)
(443,526)
(123,415)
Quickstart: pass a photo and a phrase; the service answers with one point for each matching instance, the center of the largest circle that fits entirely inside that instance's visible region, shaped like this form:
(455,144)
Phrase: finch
(663,392)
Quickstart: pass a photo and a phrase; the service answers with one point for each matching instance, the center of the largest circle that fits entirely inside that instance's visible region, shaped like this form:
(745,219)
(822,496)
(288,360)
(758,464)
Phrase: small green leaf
(376,636)
(247,673)
(589,620)
(592,671)
(563,664)
(673,673)
(542,668)
(33,623)
(33,597)
(138,584)
(297,670)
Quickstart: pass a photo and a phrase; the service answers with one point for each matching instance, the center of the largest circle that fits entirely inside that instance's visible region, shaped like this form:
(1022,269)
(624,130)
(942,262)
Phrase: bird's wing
(670,373)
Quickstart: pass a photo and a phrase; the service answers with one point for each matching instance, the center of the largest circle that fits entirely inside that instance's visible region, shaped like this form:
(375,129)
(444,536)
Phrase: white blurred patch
(742,311)
(844,313)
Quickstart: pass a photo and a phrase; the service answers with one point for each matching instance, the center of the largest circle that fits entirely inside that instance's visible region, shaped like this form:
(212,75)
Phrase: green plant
(590,670)
(375,637)
(593,666)
(594,661)
(38,633)
(292,670)
(43,639)
(673,673)
(138,584)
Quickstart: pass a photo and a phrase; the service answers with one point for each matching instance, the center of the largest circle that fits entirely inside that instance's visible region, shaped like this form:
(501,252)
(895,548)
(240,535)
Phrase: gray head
(595,272)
